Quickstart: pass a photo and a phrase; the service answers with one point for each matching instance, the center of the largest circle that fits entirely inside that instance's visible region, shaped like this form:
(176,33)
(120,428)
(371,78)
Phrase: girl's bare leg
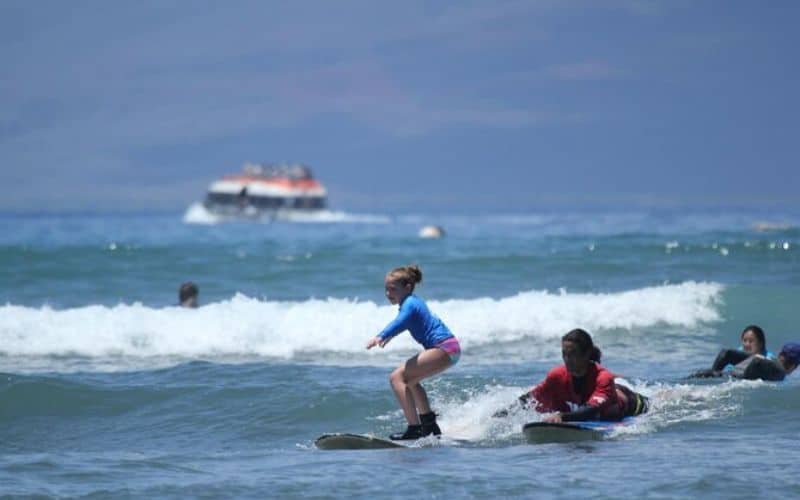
(406,377)
(420,398)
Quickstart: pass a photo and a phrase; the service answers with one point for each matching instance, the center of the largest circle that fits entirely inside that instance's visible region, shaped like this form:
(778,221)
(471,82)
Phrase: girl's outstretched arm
(378,341)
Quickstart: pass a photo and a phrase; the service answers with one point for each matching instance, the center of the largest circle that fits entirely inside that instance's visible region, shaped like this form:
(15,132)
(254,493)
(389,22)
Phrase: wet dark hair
(584,342)
(187,291)
(759,333)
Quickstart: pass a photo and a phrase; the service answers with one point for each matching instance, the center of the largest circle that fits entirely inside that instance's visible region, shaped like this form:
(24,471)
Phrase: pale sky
(414,106)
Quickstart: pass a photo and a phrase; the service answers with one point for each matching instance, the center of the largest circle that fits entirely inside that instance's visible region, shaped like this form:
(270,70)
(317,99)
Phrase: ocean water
(107,389)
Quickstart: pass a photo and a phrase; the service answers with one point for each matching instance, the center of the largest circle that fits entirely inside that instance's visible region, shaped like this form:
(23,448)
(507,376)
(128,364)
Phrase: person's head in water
(753,340)
(578,352)
(400,282)
(789,356)
(187,295)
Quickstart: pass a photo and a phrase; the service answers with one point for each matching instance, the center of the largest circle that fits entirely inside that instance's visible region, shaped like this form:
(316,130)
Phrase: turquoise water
(108,389)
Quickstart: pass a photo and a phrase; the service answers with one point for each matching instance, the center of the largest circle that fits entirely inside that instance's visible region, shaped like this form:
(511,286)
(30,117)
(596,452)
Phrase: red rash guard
(557,393)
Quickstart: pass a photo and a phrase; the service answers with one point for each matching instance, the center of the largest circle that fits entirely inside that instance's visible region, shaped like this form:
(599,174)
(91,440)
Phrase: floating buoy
(431,232)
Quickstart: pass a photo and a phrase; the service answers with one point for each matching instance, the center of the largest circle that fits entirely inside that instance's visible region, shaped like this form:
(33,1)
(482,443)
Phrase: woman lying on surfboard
(754,366)
(581,389)
(751,360)
(441,351)
(753,342)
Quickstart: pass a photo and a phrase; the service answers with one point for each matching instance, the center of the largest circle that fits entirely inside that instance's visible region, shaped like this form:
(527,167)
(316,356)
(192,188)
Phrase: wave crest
(244,326)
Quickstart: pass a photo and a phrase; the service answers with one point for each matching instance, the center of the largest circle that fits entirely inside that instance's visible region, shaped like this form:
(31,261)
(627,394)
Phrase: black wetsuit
(745,366)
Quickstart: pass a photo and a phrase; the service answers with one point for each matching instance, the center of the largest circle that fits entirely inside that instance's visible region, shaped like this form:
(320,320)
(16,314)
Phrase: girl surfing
(441,351)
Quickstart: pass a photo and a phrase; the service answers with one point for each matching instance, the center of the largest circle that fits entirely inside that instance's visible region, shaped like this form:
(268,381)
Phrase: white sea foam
(338,328)
(670,404)
(336,216)
(196,213)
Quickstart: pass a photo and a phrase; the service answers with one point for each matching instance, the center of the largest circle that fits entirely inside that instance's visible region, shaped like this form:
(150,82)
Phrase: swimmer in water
(187,295)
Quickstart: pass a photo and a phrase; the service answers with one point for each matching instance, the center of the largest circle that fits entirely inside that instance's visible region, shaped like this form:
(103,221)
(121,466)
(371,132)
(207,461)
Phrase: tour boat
(266,191)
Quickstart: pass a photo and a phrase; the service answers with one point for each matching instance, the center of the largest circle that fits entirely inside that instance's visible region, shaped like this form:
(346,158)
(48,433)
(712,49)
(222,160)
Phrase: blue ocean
(109,390)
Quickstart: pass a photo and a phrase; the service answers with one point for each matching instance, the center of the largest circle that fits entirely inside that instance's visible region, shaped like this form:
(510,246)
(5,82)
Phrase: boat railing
(294,171)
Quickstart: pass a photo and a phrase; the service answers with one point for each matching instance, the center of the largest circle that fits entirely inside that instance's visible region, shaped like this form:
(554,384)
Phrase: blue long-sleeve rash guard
(414,316)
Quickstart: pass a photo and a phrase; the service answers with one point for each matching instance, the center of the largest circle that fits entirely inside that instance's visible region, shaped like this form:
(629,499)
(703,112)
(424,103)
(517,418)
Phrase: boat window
(221,198)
